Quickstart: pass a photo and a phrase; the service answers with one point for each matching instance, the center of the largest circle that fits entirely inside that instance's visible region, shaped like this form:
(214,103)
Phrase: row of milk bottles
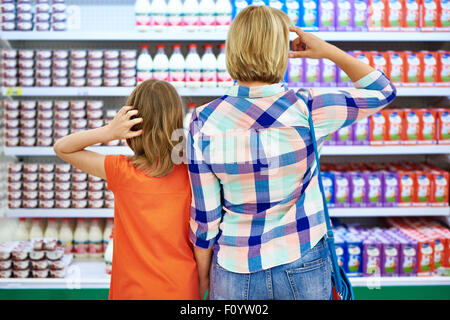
(82,237)
(189,15)
(192,72)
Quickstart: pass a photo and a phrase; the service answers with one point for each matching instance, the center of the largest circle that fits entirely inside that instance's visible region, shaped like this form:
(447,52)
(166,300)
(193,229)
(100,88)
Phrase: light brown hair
(257,45)
(159,104)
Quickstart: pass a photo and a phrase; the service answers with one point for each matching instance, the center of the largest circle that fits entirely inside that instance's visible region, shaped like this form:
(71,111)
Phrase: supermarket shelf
(189,92)
(334,212)
(91,274)
(327,150)
(214,36)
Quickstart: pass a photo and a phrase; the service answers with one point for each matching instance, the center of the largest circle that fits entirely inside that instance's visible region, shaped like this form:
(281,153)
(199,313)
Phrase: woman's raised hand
(121,126)
(307,45)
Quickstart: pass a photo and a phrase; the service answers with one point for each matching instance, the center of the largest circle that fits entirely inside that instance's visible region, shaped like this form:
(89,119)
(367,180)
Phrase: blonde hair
(257,46)
(159,104)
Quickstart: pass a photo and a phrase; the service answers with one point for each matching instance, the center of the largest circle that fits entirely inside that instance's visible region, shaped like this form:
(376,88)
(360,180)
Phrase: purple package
(327,17)
(345,15)
(371,257)
(390,189)
(342,189)
(359,189)
(296,72)
(408,257)
(390,256)
(342,78)
(361,15)
(375,189)
(330,140)
(361,132)
(328,77)
(344,136)
(312,72)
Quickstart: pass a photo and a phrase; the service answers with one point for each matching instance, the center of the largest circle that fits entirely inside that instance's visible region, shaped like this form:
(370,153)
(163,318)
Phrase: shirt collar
(256,92)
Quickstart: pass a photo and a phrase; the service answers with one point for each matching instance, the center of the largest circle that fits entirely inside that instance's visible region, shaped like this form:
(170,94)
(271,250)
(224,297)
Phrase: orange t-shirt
(152,255)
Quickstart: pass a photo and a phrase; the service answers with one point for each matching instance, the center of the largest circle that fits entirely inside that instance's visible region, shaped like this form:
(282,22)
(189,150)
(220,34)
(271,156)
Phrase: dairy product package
(328,76)
(430,15)
(377,15)
(427,117)
(237,6)
(354,264)
(380,61)
(327,16)
(372,252)
(342,189)
(408,257)
(443,126)
(359,186)
(407,188)
(344,136)
(395,15)
(412,126)
(342,78)
(378,128)
(309,15)
(390,191)
(295,72)
(394,126)
(424,192)
(397,67)
(330,140)
(444,17)
(444,68)
(361,15)
(345,15)
(425,257)
(412,17)
(390,257)
(413,69)
(361,132)
(429,60)
(312,68)
(328,185)
(440,182)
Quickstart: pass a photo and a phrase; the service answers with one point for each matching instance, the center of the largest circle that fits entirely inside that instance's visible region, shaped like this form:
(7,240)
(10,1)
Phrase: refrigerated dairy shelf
(186,92)
(327,150)
(91,275)
(215,36)
(334,212)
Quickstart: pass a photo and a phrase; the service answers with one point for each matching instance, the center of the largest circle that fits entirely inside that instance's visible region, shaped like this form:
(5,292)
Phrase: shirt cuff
(201,243)
(367,81)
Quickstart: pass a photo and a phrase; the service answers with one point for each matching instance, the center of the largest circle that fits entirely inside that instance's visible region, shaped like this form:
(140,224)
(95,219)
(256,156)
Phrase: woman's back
(153,257)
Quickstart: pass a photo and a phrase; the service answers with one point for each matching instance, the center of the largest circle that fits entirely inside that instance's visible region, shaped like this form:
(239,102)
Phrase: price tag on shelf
(12,91)
(73,17)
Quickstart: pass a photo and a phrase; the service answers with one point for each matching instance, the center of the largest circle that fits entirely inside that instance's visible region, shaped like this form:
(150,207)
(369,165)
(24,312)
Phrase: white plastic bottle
(95,236)
(193,67)
(191,15)
(81,239)
(209,67)
(65,235)
(188,116)
(177,67)
(158,13)
(207,15)
(36,229)
(22,232)
(144,65)
(161,64)
(109,253)
(223,15)
(174,15)
(52,229)
(107,232)
(224,79)
(142,15)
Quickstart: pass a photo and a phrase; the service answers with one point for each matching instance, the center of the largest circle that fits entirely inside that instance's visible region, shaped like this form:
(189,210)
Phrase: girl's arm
(203,258)
(71,147)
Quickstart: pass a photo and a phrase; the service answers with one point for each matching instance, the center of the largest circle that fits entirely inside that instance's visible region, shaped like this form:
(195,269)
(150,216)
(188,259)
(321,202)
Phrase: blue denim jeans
(308,278)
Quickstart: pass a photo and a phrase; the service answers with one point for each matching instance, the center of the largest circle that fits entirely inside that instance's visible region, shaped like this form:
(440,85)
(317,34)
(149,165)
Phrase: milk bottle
(412,13)
(378,11)
(429,13)
(174,14)
(361,9)
(188,116)
(109,254)
(107,232)
(293,11)
(193,67)
(327,15)
(65,235)
(158,12)
(52,229)
(177,67)
(81,239)
(207,15)
(209,67)
(144,65)
(95,237)
(238,5)
(161,64)
(224,79)
(191,15)
(36,229)
(142,15)
(223,17)
(22,233)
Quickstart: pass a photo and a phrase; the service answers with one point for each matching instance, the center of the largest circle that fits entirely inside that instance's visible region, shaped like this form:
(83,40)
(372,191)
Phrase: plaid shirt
(251,162)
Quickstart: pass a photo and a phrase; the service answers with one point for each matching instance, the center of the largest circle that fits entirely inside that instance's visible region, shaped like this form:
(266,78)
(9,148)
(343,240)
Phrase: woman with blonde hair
(257,217)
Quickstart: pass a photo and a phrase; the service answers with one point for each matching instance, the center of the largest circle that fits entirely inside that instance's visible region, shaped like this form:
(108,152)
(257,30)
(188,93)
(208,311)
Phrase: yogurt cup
(43,54)
(40,273)
(8,26)
(11,104)
(112,73)
(46,167)
(10,73)
(79,186)
(23,7)
(128,54)
(26,82)
(10,82)
(111,82)
(95,64)
(28,133)
(46,195)
(59,26)
(21,264)
(9,63)
(45,114)
(62,105)
(62,114)
(28,114)
(12,133)
(15,186)
(14,204)
(15,177)
(63,186)
(58,273)
(46,186)
(60,54)
(26,72)
(44,73)
(58,7)
(47,204)
(109,204)
(96,204)
(42,17)
(47,177)
(63,204)
(30,186)
(30,195)
(12,114)
(95,195)
(63,168)
(12,123)
(62,124)
(42,8)
(5,265)
(112,64)
(128,82)
(128,64)
(78,82)
(21,273)
(45,104)
(45,123)
(37,255)
(63,195)
(94,82)
(44,141)
(78,54)
(42,26)
(30,176)
(60,82)
(26,63)
(95,54)
(94,105)
(79,176)
(26,54)
(12,141)
(94,73)
(28,124)
(62,177)
(77,73)
(15,195)
(44,63)
(24,17)
(79,123)
(111,54)
(80,204)
(8,53)
(94,114)
(128,73)
(61,64)
(60,133)
(8,17)
(95,123)
(59,17)
(28,104)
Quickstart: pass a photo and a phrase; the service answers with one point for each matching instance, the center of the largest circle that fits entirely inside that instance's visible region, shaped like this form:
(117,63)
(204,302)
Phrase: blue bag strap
(330,236)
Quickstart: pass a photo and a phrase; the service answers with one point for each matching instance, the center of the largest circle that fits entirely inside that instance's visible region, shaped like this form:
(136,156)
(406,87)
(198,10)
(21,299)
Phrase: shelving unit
(117,31)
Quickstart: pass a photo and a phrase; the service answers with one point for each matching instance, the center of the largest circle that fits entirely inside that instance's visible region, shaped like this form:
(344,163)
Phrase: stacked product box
(39,258)
(385,185)
(62,68)
(50,185)
(39,15)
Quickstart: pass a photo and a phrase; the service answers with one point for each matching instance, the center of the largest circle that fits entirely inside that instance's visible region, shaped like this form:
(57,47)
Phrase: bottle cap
(176,46)
(192,46)
(35,219)
(51,219)
(160,46)
(22,219)
(80,219)
(191,105)
(208,46)
(145,46)
(222,46)
(65,219)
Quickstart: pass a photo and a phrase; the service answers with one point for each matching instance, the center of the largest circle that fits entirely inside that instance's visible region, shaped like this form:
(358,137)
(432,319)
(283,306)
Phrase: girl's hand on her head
(307,45)
(120,127)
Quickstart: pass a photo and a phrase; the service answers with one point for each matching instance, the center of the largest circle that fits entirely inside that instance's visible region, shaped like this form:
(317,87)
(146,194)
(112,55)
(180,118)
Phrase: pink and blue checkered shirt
(251,162)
